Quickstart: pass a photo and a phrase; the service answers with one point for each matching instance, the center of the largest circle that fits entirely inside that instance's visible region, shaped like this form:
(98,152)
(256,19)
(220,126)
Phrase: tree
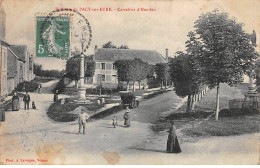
(185,72)
(109,45)
(161,70)
(131,70)
(73,68)
(257,73)
(123,47)
(227,50)
(37,69)
(140,71)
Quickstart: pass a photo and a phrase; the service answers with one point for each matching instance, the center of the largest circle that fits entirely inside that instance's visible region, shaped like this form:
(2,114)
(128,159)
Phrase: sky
(166,27)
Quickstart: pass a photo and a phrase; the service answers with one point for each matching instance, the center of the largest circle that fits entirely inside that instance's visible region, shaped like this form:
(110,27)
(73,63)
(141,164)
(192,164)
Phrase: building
(3,68)
(105,58)
(15,69)
(26,73)
(16,62)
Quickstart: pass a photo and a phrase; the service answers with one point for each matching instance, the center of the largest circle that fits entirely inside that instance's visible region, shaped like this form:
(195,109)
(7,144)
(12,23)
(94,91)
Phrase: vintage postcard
(129,82)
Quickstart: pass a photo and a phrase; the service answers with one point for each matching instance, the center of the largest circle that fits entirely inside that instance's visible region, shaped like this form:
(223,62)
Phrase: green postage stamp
(53,36)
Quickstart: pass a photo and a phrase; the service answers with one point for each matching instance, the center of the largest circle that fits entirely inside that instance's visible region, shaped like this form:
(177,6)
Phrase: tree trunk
(193,102)
(217,103)
(166,84)
(127,86)
(188,104)
(161,84)
(133,86)
(139,84)
(76,84)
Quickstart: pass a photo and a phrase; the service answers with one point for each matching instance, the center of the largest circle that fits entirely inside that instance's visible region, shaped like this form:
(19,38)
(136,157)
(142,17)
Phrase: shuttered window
(109,66)
(108,78)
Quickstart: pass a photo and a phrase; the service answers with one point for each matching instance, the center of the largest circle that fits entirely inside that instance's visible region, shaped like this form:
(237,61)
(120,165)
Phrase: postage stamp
(53,37)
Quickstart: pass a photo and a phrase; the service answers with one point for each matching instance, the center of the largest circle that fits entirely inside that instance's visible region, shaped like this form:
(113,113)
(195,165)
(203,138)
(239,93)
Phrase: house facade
(26,69)
(106,73)
(3,69)
(16,67)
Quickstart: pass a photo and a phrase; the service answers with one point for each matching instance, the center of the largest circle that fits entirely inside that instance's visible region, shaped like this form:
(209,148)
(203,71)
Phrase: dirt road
(30,135)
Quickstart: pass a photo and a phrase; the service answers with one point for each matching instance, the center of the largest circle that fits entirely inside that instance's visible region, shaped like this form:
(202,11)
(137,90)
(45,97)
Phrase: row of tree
(218,51)
(38,71)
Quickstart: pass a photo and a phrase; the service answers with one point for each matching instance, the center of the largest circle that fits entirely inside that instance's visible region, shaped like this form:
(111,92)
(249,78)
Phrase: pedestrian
(39,88)
(82,119)
(33,105)
(55,98)
(172,141)
(114,123)
(26,99)
(137,103)
(127,117)
(15,102)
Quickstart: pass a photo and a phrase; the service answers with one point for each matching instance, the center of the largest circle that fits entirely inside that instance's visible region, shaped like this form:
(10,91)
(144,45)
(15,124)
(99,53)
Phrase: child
(33,105)
(114,122)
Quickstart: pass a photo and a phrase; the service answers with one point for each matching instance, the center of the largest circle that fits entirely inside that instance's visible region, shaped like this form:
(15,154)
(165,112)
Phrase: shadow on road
(66,132)
(148,150)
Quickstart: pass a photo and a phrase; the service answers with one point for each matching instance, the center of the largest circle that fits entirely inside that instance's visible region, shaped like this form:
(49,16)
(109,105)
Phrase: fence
(240,103)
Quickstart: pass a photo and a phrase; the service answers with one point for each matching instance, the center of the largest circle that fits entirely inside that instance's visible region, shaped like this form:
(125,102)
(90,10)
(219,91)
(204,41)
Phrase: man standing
(82,121)
(26,100)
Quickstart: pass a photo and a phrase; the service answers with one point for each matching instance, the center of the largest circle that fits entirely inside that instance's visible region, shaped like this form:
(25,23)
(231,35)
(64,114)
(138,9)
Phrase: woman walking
(15,102)
(55,97)
(127,117)
(172,142)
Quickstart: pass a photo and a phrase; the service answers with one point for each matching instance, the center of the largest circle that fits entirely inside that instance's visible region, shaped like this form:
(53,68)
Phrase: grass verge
(226,126)
(61,112)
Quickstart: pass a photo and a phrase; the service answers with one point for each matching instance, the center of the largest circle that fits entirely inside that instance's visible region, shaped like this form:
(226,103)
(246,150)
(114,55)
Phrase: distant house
(15,70)
(23,53)
(106,74)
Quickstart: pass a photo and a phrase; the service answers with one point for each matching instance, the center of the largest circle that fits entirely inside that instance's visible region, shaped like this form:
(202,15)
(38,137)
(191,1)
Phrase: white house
(105,58)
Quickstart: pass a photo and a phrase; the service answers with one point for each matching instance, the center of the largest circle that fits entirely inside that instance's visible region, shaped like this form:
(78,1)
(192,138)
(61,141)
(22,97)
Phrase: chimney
(166,54)
(95,49)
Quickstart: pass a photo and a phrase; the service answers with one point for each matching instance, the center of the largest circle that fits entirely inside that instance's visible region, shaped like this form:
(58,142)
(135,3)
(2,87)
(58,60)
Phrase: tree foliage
(227,50)
(38,71)
(161,71)
(131,70)
(73,67)
(257,76)
(109,44)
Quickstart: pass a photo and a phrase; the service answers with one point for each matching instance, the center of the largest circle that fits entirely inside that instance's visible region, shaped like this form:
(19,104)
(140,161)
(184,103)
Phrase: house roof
(3,42)
(19,50)
(110,54)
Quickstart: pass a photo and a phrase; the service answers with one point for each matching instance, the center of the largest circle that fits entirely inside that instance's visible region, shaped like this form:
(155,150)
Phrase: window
(114,66)
(103,78)
(103,65)
(97,65)
(113,79)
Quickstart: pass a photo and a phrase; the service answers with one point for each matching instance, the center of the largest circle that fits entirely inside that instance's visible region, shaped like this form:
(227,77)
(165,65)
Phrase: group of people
(173,145)
(26,100)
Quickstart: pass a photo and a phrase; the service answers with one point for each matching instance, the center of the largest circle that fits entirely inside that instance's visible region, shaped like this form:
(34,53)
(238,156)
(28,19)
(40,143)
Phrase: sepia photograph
(129,82)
